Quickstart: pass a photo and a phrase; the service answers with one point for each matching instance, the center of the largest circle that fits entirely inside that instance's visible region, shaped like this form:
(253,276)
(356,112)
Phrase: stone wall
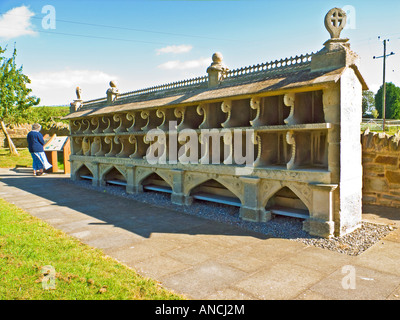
(18,133)
(381,169)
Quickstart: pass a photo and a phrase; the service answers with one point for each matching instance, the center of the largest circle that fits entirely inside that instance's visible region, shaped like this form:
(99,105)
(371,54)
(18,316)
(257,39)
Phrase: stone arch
(155,182)
(302,193)
(213,184)
(113,172)
(193,179)
(144,173)
(84,169)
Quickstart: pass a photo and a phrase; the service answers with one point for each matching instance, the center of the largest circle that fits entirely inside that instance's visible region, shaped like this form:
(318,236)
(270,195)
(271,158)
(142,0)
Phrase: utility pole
(384,82)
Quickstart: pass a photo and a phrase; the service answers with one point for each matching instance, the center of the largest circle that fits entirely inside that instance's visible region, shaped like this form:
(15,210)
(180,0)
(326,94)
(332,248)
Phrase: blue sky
(145,43)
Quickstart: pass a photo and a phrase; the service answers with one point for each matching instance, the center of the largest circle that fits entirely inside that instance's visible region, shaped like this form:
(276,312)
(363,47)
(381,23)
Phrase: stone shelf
(296,127)
(217,199)
(157,188)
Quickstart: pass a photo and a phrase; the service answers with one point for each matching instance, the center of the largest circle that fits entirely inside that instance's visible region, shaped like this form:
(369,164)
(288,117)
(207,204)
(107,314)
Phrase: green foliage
(392,101)
(368,101)
(46,116)
(15,99)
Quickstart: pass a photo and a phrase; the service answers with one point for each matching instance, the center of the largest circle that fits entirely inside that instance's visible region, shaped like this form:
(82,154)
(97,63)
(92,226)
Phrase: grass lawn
(81,272)
(9,161)
(24,159)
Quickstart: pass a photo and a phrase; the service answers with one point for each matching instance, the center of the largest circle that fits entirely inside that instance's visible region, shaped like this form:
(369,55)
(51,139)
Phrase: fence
(376,124)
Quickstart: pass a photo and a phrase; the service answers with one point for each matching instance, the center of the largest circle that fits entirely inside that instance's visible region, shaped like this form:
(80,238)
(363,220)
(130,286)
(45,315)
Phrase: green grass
(27,244)
(7,160)
(24,159)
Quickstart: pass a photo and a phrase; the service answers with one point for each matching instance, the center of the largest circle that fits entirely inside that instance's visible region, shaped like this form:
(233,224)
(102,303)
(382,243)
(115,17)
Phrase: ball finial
(217,57)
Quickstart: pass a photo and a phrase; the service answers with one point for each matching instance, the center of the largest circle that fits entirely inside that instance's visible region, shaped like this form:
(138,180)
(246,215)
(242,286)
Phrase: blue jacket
(35,141)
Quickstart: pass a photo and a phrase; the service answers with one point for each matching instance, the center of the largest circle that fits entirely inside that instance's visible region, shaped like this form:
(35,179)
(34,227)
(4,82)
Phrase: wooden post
(52,158)
(66,154)
(51,155)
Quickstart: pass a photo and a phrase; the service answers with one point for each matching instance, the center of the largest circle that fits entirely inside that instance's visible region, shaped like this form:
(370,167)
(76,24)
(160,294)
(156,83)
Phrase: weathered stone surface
(375,184)
(302,118)
(381,162)
(391,160)
(393,176)
(369,167)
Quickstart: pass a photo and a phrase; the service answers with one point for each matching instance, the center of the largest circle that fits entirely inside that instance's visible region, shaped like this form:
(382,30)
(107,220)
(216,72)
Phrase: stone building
(296,120)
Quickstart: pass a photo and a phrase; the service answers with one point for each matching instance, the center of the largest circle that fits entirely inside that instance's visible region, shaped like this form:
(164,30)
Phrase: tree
(392,101)
(14,94)
(368,102)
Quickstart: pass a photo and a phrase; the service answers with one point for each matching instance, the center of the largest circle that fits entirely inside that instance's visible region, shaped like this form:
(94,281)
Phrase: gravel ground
(279,227)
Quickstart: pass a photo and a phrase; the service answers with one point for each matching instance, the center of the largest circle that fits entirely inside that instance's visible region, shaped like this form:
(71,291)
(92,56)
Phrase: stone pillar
(177,196)
(350,187)
(130,179)
(73,170)
(96,182)
(75,105)
(250,209)
(321,221)
(102,168)
(216,70)
(331,105)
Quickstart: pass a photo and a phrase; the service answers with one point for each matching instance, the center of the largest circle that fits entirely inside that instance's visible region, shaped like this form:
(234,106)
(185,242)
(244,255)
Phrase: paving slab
(383,256)
(204,259)
(318,259)
(203,279)
(280,281)
(368,285)
(151,267)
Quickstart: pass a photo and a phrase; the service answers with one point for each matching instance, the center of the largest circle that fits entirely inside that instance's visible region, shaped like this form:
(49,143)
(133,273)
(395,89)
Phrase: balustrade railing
(291,62)
(277,65)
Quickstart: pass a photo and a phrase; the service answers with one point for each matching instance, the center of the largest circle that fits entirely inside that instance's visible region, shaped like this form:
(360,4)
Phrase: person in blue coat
(35,146)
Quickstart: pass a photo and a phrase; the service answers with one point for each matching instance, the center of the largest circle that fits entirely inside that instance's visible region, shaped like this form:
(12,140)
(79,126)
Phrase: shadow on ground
(140,218)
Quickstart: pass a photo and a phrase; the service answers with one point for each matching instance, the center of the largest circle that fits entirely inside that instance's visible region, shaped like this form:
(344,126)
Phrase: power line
(125,28)
(89,36)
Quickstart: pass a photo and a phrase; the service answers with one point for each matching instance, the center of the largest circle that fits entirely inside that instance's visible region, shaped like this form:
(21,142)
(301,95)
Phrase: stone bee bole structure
(298,118)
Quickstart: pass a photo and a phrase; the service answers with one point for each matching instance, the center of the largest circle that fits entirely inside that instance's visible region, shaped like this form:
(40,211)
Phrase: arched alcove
(213,191)
(155,182)
(114,177)
(285,202)
(84,173)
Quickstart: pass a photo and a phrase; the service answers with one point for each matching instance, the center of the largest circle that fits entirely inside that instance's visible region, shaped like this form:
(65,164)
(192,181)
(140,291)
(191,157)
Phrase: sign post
(55,145)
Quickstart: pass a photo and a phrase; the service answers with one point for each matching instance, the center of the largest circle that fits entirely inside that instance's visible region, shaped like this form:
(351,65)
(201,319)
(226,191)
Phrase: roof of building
(305,72)
(265,78)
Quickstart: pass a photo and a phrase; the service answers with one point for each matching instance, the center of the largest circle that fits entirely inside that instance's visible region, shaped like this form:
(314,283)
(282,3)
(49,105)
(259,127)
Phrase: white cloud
(58,87)
(16,23)
(69,78)
(183,48)
(184,65)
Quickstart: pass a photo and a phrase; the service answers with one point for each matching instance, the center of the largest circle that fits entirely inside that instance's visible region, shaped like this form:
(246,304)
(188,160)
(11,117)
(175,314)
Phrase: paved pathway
(204,259)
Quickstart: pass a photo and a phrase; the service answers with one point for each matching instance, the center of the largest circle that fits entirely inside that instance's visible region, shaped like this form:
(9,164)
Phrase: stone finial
(216,70)
(78,93)
(78,103)
(336,52)
(112,92)
(335,21)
